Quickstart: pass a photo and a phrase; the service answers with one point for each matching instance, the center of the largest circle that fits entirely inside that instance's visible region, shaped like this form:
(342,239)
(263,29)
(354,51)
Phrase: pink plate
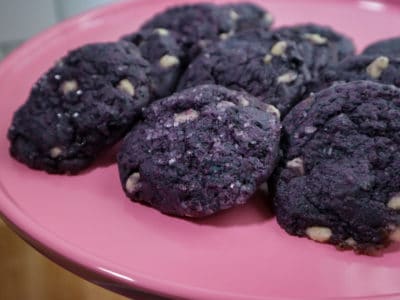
(86,224)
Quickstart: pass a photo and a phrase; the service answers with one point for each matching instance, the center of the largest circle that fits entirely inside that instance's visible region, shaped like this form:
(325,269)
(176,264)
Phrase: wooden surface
(26,274)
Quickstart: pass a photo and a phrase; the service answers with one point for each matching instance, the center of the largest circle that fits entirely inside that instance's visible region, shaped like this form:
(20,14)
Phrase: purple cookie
(200,151)
(387,47)
(320,46)
(339,180)
(275,74)
(198,25)
(383,69)
(81,106)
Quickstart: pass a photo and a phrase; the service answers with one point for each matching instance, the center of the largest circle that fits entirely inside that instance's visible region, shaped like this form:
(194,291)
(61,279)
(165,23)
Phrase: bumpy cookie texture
(247,15)
(200,151)
(339,182)
(379,68)
(388,47)
(167,58)
(198,25)
(82,105)
(275,74)
(320,46)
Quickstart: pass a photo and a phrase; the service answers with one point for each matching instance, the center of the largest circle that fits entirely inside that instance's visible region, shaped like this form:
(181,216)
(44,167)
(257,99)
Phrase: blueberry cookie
(247,16)
(82,105)
(200,151)
(198,25)
(275,74)
(167,58)
(339,182)
(320,46)
(388,47)
(383,69)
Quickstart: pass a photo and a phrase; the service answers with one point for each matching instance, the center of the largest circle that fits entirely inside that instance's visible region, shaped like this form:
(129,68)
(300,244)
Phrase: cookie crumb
(376,67)
(226,35)
(268,18)
(69,86)
(296,165)
(126,86)
(168,61)
(319,234)
(350,242)
(310,129)
(132,183)
(185,116)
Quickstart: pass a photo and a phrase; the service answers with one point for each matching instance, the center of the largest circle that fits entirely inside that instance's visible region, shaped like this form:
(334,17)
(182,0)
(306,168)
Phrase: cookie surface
(388,47)
(200,151)
(275,74)
(247,16)
(320,46)
(383,69)
(82,105)
(338,183)
(167,58)
(197,24)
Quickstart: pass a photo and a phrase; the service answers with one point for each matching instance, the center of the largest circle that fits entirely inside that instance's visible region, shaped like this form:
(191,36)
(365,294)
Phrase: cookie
(167,58)
(339,181)
(198,25)
(320,46)
(383,69)
(248,15)
(82,105)
(388,47)
(275,74)
(200,151)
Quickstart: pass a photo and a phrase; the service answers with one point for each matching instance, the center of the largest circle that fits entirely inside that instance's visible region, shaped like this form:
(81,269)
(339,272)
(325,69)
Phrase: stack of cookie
(199,92)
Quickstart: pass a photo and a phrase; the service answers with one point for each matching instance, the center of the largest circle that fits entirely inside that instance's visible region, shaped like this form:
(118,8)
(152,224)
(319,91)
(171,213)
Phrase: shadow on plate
(257,210)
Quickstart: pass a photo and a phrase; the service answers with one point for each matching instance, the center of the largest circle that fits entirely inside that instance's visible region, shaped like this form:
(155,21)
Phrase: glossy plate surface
(87,224)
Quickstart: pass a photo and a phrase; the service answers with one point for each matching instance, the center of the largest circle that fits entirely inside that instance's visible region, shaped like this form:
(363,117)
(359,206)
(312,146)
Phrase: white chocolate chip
(287,77)
(310,129)
(376,67)
(132,183)
(395,235)
(296,165)
(185,116)
(272,109)
(69,86)
(315,38)
(168,61)
(226,35)
(268,18)
(350,242)
(267,58)
(319,234)
(279,48)
(161,31)
(234,15)
(243,101)
(394,202)
(223,105)
(55,152)
(126,86)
